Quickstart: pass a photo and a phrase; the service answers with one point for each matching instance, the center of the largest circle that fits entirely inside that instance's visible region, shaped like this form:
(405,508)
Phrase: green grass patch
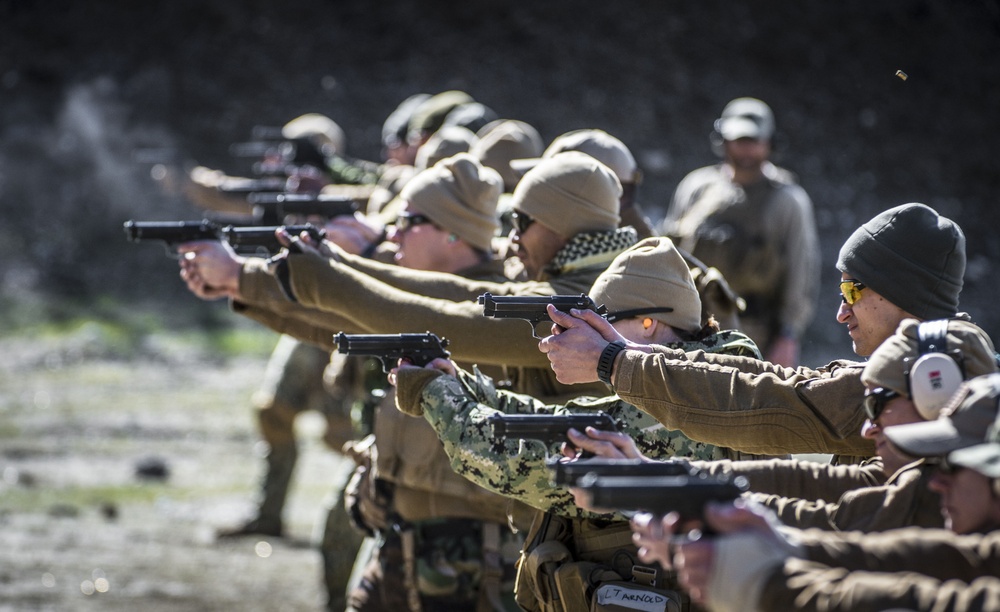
(85,499)
(114,330)
(30,499)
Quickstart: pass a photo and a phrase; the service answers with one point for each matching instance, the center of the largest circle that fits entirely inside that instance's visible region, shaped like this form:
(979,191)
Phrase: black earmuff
(935,374)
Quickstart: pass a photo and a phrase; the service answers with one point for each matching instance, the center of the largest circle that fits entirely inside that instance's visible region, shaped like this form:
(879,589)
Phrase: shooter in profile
(650,297)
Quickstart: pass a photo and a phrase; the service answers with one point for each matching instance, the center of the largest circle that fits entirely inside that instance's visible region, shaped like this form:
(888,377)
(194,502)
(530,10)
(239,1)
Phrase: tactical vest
(579,565)
(427,500)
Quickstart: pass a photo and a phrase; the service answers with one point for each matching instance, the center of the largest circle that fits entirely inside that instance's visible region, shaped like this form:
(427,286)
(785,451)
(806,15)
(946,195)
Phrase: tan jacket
(333,297)
(407,453)
(806,586)
(747,404)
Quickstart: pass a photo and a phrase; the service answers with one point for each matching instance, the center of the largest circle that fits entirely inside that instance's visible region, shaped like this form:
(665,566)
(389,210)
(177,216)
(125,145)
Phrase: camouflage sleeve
(458,409)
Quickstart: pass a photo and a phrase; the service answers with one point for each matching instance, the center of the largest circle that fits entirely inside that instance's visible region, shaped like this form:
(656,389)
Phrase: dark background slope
(85,84)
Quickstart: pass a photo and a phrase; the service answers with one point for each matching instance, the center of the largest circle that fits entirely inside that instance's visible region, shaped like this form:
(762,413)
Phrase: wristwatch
(606,363)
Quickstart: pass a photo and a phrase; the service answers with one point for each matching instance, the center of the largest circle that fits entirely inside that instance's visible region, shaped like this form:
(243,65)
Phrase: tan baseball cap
(968,420)
(321,129)
(746,118)
(890,364)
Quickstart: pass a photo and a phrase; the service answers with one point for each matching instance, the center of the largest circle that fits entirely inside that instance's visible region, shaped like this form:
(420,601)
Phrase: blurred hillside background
(84,85)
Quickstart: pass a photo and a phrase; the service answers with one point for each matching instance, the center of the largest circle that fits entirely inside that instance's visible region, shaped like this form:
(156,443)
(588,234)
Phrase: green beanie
(912,256)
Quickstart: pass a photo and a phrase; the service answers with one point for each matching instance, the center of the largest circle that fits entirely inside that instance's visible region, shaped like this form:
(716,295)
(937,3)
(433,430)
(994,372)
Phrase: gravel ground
(81,530)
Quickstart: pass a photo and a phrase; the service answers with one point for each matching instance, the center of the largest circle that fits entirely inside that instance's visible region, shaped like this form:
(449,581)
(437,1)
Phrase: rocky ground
(80,529)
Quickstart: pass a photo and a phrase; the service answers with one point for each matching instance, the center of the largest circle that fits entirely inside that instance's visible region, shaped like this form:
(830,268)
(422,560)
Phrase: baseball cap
(319,129)
(746,118)
(891,365)
(964,422)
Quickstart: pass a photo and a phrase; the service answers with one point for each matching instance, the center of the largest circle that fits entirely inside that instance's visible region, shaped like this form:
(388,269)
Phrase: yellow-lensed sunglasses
(850,291)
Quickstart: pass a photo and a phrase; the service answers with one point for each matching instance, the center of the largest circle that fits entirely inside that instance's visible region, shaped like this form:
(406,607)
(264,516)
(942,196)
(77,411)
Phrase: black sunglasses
(406,221)
(875,401)
(521,221)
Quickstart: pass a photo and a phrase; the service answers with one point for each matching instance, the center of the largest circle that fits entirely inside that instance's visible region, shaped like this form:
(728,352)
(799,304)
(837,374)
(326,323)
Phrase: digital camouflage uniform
(360,296)
(458,409)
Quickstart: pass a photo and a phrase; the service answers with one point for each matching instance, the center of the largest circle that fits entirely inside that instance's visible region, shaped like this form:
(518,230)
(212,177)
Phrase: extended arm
(801,479)
(748,404)
(459,409)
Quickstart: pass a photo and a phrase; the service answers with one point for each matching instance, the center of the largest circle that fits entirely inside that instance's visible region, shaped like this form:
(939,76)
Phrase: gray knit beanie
(912,256)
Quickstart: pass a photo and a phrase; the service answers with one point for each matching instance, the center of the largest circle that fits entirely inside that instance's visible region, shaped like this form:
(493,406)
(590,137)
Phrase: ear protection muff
(935,374)
(716,140)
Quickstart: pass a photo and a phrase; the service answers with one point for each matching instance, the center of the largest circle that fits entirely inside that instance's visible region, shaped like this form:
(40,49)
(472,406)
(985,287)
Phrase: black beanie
(912,256)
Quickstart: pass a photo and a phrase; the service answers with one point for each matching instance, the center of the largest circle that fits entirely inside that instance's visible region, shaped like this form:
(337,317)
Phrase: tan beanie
(505,141)
(651,274)
(443,143)
(460,196)
(598,144)
(570,193)
(888,365)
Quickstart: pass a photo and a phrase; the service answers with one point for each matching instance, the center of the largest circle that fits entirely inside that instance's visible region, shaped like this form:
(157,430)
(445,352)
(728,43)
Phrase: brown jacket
(904,501)
(747,404)
(804,586)
(407,454)
(333,296)
(910,569)
(801,479)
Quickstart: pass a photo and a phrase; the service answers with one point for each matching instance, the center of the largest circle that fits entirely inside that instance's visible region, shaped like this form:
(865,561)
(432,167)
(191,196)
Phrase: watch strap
(606,362)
